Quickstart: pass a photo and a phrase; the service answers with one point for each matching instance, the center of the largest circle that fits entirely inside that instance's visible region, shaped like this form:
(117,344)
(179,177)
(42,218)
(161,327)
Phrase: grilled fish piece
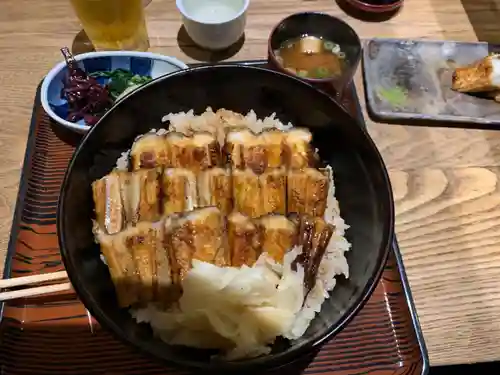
(165,291)
(314,235)
(239,142)
(307,191)
(109,208)
(199,152)
(273,141)
(214,189)
(247,193)
(131,259)
(256,195)
(144,241)
(209,239)
(206,151)
(141,195)
(149,151)
(257,152)
(176,240)
(179,190)
(273,191)
(298,153)
(244,240)
(481,76)
(278,235)
(198,234)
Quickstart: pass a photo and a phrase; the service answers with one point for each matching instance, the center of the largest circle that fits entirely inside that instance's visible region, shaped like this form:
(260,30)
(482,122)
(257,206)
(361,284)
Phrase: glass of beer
(113,24)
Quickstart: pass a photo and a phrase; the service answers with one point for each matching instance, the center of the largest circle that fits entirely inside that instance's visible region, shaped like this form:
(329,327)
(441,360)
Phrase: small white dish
(214,24)
(143,63)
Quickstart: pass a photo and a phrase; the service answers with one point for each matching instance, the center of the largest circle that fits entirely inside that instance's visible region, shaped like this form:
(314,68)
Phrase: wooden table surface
(446,181)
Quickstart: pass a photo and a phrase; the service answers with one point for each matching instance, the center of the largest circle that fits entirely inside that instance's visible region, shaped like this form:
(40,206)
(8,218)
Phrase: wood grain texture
(445,181)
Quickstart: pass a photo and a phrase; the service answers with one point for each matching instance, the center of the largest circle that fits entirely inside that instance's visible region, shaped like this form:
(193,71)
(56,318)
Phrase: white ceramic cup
(214,24)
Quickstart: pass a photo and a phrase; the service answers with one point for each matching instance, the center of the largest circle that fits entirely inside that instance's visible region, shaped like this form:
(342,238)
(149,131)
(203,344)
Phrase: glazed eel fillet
(184,190)
(136,262)
(256,195)
(147,262)
(123,198)
(276,235)
(307,191)
(249,238)
(302,191)
(176,150)
(270,149)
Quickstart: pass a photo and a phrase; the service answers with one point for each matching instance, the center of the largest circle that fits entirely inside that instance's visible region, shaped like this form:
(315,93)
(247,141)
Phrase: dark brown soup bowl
(376,6)
(323,26)
(361,184)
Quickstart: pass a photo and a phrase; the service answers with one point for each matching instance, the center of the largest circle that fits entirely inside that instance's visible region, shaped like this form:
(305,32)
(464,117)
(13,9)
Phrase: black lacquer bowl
(362,188)
(323,26)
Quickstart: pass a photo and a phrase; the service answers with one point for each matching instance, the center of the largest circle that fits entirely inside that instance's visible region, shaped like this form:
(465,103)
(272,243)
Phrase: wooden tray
(56,335)
(409,81)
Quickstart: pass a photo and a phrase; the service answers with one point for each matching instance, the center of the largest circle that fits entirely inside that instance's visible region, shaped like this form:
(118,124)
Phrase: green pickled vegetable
(120,80)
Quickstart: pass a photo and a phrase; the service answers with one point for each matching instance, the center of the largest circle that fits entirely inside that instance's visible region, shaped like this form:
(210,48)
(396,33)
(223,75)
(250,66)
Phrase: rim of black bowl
(270,361)
(374,7)
(272,55)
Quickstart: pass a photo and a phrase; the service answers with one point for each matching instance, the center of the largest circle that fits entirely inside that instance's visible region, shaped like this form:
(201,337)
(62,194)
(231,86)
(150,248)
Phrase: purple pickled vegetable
(87,98)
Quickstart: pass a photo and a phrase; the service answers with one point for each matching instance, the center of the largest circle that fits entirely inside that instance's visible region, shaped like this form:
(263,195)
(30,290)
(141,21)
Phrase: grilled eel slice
(148,262)
(307,191)
(314,235)
(109,208)
(131,256)
(481,76)
(214,189)
(244,239)
(149,151)
(198,234)
(179,190)
(184,190)
(278,235)
(298,153)
(256,195)
(270,149)
(198,152)
(176,150)
(123,198)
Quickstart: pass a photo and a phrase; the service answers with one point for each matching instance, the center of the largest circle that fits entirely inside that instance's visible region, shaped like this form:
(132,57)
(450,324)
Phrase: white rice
(333,263)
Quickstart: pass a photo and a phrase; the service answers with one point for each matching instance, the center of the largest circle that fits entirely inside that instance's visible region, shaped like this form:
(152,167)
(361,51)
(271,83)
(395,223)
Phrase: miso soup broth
(311,57)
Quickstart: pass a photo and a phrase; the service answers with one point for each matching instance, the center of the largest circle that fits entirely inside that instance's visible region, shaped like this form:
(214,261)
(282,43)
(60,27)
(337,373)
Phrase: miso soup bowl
(323,26)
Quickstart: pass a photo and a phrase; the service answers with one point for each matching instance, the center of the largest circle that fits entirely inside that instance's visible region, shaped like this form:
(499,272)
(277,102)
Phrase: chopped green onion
(330,46)
(302,73)
(322,72)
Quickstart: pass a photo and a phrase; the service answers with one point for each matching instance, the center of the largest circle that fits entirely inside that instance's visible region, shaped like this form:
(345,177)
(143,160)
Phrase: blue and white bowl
(142,63)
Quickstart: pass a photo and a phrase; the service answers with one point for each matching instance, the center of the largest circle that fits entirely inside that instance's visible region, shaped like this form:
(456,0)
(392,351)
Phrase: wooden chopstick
(32,292)
(34,279)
